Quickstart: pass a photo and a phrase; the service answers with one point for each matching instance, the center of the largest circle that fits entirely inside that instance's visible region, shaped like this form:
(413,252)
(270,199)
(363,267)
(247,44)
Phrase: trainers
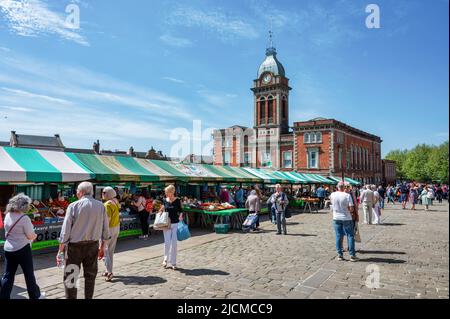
(353,258)
(42,296)
(340,258)
(278,233)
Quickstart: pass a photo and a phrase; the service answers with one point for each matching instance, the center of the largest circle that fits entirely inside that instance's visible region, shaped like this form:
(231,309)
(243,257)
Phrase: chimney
(96,147)
(13,139)
(131,151)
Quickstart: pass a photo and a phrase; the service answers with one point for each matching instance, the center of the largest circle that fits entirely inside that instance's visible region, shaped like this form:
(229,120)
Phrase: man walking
(279,201)
(382,192)
(342,206)
(404,190)
(85,224)
(368,203)
(321,194)
(240,198)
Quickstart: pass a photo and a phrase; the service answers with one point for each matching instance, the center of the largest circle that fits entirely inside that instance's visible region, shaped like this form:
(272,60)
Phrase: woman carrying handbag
(171,205)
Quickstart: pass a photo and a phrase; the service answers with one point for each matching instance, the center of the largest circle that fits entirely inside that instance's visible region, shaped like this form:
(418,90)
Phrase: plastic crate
(221,228)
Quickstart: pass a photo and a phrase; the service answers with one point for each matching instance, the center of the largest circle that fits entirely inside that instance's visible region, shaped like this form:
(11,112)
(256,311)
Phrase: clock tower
(271,94)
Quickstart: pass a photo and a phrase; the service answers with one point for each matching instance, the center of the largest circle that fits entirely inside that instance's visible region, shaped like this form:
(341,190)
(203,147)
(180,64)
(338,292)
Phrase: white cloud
(175,41)
(32,18)
(168,78)
(35,96)
(227,27)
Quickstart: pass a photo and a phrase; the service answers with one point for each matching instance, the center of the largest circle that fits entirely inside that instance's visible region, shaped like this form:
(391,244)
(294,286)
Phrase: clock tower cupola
(271,93)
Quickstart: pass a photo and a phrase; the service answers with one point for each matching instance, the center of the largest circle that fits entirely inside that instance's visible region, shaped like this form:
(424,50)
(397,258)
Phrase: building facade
(389,172)
(322,146)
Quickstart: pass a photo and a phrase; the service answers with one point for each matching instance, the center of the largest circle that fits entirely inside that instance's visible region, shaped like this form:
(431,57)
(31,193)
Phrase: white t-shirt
(340,202)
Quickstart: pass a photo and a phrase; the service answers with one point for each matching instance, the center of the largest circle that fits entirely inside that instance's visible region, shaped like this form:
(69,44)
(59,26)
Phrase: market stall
(346,179)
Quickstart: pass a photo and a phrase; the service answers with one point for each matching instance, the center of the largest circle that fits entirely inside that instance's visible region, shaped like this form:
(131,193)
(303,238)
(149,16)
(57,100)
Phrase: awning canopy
(30,165)
(347,179)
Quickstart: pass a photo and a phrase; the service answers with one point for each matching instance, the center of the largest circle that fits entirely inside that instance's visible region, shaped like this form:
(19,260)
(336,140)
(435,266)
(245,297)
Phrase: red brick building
(389,172)
(322,146)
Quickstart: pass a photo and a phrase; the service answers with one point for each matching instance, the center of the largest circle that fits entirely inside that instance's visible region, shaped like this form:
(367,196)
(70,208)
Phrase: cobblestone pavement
(410,250)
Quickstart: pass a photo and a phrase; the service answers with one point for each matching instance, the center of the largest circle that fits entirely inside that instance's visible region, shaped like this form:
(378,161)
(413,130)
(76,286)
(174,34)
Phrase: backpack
(430,194)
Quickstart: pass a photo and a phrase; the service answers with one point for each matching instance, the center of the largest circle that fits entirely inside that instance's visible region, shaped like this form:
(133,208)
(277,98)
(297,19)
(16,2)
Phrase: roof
(336,124)
(21,140)
(271,64)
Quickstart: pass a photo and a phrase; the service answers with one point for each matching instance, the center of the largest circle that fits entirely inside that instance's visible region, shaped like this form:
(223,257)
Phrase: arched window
(284,110)
(307,138)
(319,137)
(270,110)
(262,110)
(352,157)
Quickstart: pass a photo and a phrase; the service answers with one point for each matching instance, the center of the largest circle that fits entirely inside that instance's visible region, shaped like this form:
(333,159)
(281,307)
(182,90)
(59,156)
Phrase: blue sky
(135,70)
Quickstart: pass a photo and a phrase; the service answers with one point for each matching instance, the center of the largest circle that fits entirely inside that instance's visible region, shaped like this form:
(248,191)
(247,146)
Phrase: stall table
(235,216)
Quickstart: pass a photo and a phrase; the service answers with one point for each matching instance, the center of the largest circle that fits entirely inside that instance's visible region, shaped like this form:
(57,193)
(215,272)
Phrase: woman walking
(376,208)
(19,234)
(172,205)
(112,207)
(426,197)
(413,197)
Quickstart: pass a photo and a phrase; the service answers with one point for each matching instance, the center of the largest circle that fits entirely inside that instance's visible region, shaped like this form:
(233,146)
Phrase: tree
(424,163)
(399,156)
(438,162)
(416,164)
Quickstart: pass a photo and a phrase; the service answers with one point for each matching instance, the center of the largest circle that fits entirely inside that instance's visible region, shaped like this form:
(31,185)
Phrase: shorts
(403,197)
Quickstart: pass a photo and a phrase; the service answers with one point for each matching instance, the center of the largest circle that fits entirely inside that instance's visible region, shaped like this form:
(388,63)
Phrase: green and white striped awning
(347,179)
(30,165)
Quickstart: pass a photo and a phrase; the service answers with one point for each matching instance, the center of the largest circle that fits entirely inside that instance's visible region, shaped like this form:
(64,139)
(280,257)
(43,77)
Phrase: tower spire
(271,49)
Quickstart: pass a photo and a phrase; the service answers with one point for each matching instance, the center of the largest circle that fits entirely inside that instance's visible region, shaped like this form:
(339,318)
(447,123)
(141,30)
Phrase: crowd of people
(91,227)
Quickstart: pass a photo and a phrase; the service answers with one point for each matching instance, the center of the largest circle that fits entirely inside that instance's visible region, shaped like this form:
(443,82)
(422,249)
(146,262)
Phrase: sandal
(174,267)
(109,277)
(164,264)
(105,274)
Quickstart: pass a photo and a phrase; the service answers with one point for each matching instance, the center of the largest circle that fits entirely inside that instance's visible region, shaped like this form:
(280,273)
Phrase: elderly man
(368,203)
(279,201)
(85,224)
(342,206)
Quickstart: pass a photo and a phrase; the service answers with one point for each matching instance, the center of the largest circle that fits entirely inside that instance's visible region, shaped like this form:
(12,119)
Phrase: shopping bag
(183,232)
(357,235)
(250,220)
(162,221)
(287,213)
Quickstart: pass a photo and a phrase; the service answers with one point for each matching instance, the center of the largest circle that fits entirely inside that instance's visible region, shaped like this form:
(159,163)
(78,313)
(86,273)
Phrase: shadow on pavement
(390,224)
(202,272)
(381,252)
(301,235)
(136,280)
(382,260)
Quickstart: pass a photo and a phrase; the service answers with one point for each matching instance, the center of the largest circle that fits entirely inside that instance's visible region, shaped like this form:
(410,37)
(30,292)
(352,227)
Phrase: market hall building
(322,146)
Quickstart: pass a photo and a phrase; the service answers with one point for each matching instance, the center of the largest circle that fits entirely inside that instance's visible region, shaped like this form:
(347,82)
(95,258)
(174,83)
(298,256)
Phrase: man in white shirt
(368,203)
(342,206)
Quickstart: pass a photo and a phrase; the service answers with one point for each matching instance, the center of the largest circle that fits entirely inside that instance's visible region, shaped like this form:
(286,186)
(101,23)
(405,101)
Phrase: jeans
(110,248)
(170,244)
(85,253)
(273,215)
(143,218)
(321,202)
(382,202)
(347,228)
(281,221)
(13,259)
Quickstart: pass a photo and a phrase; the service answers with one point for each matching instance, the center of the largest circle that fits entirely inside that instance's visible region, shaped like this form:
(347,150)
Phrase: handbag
(357,235)
(162,221)
(183,232)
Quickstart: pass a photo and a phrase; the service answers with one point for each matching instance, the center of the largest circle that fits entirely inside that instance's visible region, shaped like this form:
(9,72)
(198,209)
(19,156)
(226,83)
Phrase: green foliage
(423,163)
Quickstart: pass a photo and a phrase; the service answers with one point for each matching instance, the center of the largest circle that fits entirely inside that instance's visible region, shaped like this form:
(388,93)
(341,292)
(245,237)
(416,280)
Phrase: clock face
(267,78)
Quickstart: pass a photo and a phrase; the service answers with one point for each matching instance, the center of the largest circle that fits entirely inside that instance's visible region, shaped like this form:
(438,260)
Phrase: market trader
(321,194)
(85,224)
